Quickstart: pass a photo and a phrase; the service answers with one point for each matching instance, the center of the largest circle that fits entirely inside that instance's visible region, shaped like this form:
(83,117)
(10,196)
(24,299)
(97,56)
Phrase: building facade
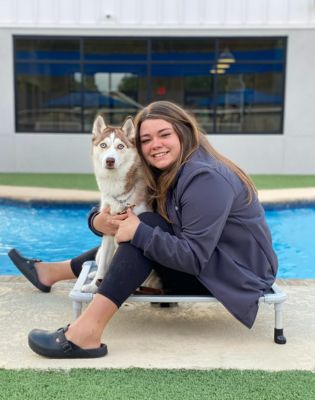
(243,68)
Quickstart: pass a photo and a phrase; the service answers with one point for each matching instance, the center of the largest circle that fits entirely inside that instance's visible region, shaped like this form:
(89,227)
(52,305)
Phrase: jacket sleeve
(93,213)
(204,207)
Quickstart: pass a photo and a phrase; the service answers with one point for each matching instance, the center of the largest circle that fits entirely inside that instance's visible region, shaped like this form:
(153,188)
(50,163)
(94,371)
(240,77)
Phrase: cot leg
(164,305)
(168,305)
(279,338)
(77,309)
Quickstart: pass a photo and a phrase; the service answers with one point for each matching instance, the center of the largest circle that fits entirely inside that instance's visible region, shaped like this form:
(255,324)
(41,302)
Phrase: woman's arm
(103,223)
(205,205)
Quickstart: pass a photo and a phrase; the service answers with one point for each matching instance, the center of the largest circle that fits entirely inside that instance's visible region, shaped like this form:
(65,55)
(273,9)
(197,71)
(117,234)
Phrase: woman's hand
(106,223)
(127,228)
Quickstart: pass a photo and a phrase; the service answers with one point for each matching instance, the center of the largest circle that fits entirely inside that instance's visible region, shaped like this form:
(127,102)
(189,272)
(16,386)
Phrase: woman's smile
(159,155)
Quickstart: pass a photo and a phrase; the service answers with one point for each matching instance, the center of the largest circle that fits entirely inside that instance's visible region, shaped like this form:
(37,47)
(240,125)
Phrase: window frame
(149,62)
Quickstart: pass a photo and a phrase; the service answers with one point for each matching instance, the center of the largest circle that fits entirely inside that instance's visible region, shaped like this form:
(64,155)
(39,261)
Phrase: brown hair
(191,138)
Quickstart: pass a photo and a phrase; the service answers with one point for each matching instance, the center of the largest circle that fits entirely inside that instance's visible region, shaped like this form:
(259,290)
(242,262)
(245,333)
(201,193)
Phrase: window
(249,95)
(48,85)
(231,85)
(114,79)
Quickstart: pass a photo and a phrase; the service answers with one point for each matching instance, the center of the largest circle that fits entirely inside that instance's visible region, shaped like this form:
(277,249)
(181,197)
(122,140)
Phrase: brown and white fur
(119,177)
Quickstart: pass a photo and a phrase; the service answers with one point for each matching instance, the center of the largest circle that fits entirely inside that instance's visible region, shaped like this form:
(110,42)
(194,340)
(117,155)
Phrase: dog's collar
(124,200)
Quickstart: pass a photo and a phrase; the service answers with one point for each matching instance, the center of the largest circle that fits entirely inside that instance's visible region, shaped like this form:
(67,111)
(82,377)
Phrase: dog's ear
(98,126)
(129,129)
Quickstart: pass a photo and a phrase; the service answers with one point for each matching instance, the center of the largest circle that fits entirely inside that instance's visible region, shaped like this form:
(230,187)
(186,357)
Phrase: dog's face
(112,147)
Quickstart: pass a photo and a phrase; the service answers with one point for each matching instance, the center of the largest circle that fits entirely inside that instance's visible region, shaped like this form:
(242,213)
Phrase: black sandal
(56,345)
(27,267)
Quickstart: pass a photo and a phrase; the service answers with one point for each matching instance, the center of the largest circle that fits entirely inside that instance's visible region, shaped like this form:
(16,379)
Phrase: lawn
(87,181)
(140,384)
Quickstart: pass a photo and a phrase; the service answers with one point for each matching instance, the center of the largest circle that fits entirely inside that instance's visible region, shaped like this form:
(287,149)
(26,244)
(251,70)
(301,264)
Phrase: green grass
(63,181)
(138,384)
(283,181)
(87,181)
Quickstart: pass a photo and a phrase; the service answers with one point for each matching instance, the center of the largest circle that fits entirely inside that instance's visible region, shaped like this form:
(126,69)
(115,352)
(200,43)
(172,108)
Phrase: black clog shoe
(56,345)
(27,267)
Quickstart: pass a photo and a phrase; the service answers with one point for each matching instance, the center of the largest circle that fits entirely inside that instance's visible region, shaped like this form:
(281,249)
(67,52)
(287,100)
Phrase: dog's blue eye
(103,145)
(120,146)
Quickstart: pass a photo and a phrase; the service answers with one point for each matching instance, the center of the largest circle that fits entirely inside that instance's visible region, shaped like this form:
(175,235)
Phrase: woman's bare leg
(86,331)
(52,272)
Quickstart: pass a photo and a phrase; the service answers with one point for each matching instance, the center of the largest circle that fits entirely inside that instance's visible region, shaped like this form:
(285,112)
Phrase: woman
(208,234)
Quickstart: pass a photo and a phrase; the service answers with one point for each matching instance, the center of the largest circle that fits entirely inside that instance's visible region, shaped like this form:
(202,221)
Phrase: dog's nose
(110,161)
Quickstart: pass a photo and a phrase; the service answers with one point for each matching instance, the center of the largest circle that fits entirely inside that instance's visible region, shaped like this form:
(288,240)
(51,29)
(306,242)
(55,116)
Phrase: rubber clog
(27,267)
(56,345)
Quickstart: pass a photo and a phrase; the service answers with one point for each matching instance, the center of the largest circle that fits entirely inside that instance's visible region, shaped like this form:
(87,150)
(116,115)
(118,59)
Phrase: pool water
(59,231)
(293,234)
(45,231)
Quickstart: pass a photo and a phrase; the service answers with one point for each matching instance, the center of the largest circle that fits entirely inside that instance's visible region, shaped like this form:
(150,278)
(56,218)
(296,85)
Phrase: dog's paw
(92,275)
(89,288)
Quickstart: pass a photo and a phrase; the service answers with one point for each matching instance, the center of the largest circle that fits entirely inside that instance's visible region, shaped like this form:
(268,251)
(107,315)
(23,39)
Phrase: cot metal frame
(276,297)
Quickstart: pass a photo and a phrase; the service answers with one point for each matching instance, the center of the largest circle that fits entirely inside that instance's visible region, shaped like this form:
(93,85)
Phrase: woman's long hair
(191,138)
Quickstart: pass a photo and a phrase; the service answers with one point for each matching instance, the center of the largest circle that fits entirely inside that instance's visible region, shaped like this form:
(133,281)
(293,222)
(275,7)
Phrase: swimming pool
(59,231)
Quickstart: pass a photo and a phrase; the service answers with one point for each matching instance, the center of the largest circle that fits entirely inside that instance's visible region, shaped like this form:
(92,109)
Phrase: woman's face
(159,143)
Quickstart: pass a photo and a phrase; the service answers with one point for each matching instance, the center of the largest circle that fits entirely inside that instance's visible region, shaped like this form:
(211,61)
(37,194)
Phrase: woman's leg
(180,283)
(44,274)
(52,272)
(86,331)
(128,270)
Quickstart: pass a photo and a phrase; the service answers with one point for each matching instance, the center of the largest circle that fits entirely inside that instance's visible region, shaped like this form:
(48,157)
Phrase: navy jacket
(220,238)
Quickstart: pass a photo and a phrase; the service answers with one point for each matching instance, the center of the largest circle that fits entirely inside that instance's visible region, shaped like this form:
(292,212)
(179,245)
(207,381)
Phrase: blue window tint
(249,49)
(183,49)
(115,49)
(47,49)
(181,69)
(139,69)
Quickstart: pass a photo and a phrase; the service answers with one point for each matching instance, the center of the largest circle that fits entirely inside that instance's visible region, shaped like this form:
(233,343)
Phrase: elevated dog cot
(276,297)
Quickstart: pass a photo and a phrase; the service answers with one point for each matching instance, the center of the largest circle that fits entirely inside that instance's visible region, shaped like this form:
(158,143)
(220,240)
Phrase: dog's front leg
(103,259)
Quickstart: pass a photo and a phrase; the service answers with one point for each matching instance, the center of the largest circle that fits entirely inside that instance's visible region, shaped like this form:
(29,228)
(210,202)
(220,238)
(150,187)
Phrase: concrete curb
(24,193)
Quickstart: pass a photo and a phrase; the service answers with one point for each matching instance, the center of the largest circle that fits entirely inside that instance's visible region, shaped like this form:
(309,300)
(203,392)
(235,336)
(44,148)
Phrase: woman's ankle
(86,331)
(42,273)
(50,273)
(85,338)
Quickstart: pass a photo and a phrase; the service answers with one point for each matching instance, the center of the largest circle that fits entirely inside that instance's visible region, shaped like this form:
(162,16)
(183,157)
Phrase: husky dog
(119,177)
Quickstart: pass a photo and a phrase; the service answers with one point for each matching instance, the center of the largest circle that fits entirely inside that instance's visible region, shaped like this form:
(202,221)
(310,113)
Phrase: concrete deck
(196,336)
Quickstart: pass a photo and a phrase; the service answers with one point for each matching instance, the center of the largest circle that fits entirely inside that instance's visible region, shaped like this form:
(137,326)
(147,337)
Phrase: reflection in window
(48,98)
(250,101)
(47,49)
(188,85)
(115,49)
(254,49)
(115,95)
(231,85)
(183,49)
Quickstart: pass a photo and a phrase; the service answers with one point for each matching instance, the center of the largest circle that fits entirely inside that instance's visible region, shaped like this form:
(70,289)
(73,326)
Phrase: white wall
(105,14)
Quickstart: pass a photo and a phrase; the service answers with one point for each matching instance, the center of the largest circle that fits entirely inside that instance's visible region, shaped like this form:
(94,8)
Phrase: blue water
(45,231)
(57,232)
